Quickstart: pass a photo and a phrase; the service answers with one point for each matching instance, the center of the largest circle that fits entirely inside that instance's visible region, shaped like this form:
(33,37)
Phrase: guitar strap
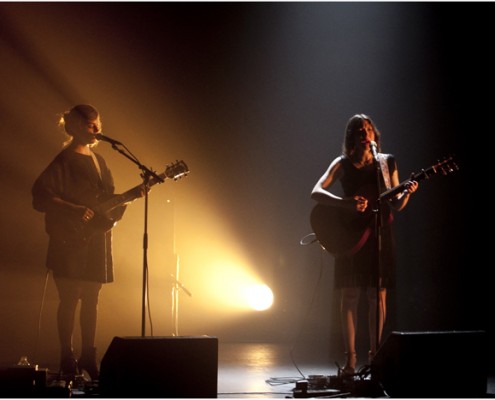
(97,164)
(385,172)
(386,178)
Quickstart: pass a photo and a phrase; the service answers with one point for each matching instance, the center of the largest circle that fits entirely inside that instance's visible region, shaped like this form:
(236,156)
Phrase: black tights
(70,291)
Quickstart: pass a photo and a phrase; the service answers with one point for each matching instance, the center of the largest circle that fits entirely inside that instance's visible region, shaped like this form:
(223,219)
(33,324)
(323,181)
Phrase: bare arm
(322,195)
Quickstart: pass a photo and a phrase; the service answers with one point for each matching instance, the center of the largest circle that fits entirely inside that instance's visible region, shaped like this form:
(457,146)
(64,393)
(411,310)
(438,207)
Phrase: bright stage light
(259,297)
(233,287)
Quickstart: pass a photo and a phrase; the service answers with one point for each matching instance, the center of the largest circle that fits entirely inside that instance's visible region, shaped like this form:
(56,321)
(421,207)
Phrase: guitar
(110,210)
(344,232)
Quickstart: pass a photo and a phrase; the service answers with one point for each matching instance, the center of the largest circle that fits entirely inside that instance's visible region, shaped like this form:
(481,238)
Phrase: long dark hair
(352,129)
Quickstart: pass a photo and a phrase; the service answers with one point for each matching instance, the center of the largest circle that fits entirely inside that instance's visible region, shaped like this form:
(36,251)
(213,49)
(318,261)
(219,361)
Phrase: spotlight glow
(259,297)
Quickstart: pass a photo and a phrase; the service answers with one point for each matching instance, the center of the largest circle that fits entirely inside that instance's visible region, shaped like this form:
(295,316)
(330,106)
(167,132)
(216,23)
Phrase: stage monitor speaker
(169,367)
(432,364)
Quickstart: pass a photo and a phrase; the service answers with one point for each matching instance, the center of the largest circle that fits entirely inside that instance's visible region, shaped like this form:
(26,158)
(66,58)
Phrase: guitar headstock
(446,166)
(176,170)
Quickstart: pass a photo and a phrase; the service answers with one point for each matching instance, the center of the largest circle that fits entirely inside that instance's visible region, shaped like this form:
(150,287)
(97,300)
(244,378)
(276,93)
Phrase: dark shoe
(350,364)
(68,365)
(88,363)
(371,356)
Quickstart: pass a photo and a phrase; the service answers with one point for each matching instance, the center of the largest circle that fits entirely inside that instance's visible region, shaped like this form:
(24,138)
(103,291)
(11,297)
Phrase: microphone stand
(177,285)
(146,174)
(378,235)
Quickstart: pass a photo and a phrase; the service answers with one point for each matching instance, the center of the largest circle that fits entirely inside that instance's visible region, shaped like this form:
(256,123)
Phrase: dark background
(255,98)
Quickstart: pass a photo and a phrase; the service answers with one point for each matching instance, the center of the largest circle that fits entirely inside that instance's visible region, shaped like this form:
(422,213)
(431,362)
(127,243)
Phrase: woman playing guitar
(345,227)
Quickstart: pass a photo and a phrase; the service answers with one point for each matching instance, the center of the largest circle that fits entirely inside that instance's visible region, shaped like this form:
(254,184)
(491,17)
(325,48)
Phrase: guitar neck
(126,197)
(424,174)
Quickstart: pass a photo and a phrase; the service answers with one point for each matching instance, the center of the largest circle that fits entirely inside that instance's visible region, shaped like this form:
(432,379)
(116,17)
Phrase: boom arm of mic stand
(146,170)
(180,285)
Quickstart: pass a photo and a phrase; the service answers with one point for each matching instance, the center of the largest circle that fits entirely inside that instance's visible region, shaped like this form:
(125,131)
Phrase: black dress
(360,269)
(75,178)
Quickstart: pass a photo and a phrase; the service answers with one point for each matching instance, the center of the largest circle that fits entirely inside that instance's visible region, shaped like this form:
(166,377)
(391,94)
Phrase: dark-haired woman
(357,270)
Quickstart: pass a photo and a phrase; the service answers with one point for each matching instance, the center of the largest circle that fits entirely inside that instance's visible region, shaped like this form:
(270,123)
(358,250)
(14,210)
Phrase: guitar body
(340,231)
(100,223)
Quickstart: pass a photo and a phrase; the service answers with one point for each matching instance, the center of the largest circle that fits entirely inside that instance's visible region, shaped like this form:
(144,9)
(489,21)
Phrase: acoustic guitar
(344,232)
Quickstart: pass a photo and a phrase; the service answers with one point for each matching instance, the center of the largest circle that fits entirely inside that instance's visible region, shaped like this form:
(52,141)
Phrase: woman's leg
(348,310)
(89,312)
(69,292)
(88,320)
(372,313)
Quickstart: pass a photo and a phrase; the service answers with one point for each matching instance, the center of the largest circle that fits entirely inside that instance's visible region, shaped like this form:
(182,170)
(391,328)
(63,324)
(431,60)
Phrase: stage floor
(254,370)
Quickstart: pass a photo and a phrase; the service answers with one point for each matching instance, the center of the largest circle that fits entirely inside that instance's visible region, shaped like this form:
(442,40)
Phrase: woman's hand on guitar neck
(411,187)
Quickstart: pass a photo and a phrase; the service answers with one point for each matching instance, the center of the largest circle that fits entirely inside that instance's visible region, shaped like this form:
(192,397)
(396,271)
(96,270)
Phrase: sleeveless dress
(360,269)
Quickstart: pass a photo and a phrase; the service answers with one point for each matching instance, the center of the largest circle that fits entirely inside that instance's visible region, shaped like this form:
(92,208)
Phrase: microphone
(104,138)
(374,147)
